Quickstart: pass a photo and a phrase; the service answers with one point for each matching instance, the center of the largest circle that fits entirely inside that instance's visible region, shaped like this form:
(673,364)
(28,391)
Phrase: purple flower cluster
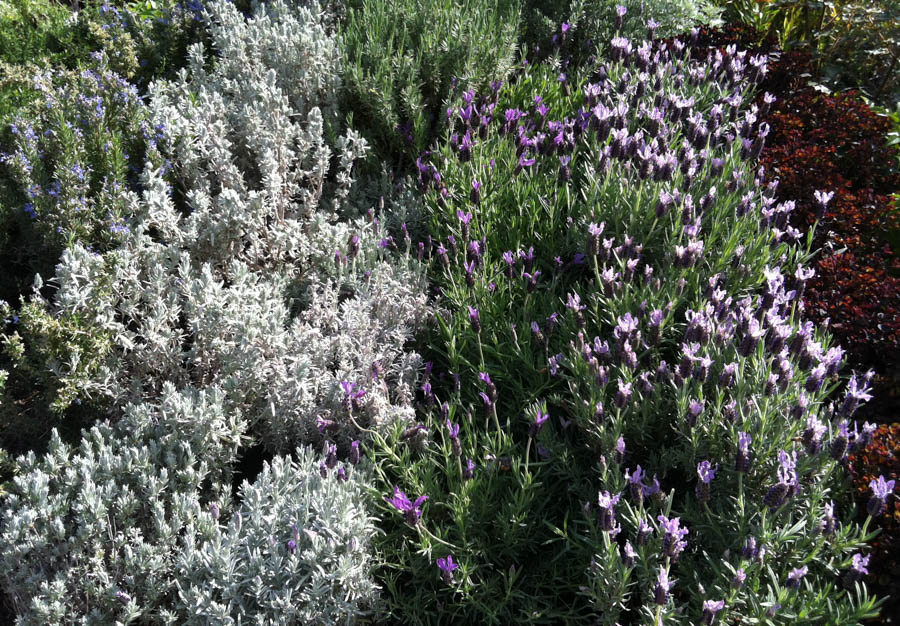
(412,511)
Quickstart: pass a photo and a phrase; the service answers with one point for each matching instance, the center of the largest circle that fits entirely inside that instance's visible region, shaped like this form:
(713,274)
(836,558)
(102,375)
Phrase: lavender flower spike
(663,586)
(673,539)
(855,394)
(796,575)
(474,320)
(412,510)
(607,505)
(742,462)
(447,567)
(881,491)
(710,609)
(706,472)
(539,420)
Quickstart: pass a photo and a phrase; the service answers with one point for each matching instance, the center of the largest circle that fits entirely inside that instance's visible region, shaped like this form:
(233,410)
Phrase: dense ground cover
(556,356)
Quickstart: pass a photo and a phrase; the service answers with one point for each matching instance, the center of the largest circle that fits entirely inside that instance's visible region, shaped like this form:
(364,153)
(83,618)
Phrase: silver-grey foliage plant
(256,284)
(245,301)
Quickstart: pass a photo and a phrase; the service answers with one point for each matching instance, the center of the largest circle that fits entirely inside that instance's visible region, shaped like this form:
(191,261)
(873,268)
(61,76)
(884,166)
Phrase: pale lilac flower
(855,394)
(663,586)
(796,575)
(881,491)
(630,555)
(710,609)
(739,578)
(706,472)
(742,462)
(673,538)
(607,513)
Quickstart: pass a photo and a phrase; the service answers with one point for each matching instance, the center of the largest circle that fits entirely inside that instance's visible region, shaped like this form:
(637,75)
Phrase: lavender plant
(608,254)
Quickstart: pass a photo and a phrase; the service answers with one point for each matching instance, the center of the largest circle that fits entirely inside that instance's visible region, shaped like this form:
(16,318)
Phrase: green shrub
(401,60)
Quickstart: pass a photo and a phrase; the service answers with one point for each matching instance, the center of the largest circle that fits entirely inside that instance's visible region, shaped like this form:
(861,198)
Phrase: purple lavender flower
(663,587)
(331,455)
(750,551)
(636,484)
(539,420)
(474,320)
(623,395)
(354,452)
(489,385)
(751,338)
(739,578)
(799,409)
(838,447)
(706,472)
(742,462)
(881,491)
(833,360)
(855,394)
(454,438)
(620,450)
(644,530)
(488,403)
(828,524)
(812,436)
(607,511)
(787,481)
(323,424)
(859,567)
(711,608)
(475,194)
(630,555)
(447,567)
(412,511)
(695,408)
(816,379)
(342,474)
(726,378)
(594,241)
(688,356)
(673,538)
(620,13)
(796,575)
(323,470)
(469,470)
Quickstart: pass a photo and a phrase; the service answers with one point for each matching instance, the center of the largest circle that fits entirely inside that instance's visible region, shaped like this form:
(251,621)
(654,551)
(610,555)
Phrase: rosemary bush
(403,58)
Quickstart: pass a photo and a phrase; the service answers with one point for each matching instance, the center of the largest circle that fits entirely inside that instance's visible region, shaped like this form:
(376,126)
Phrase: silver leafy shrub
(245,301)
